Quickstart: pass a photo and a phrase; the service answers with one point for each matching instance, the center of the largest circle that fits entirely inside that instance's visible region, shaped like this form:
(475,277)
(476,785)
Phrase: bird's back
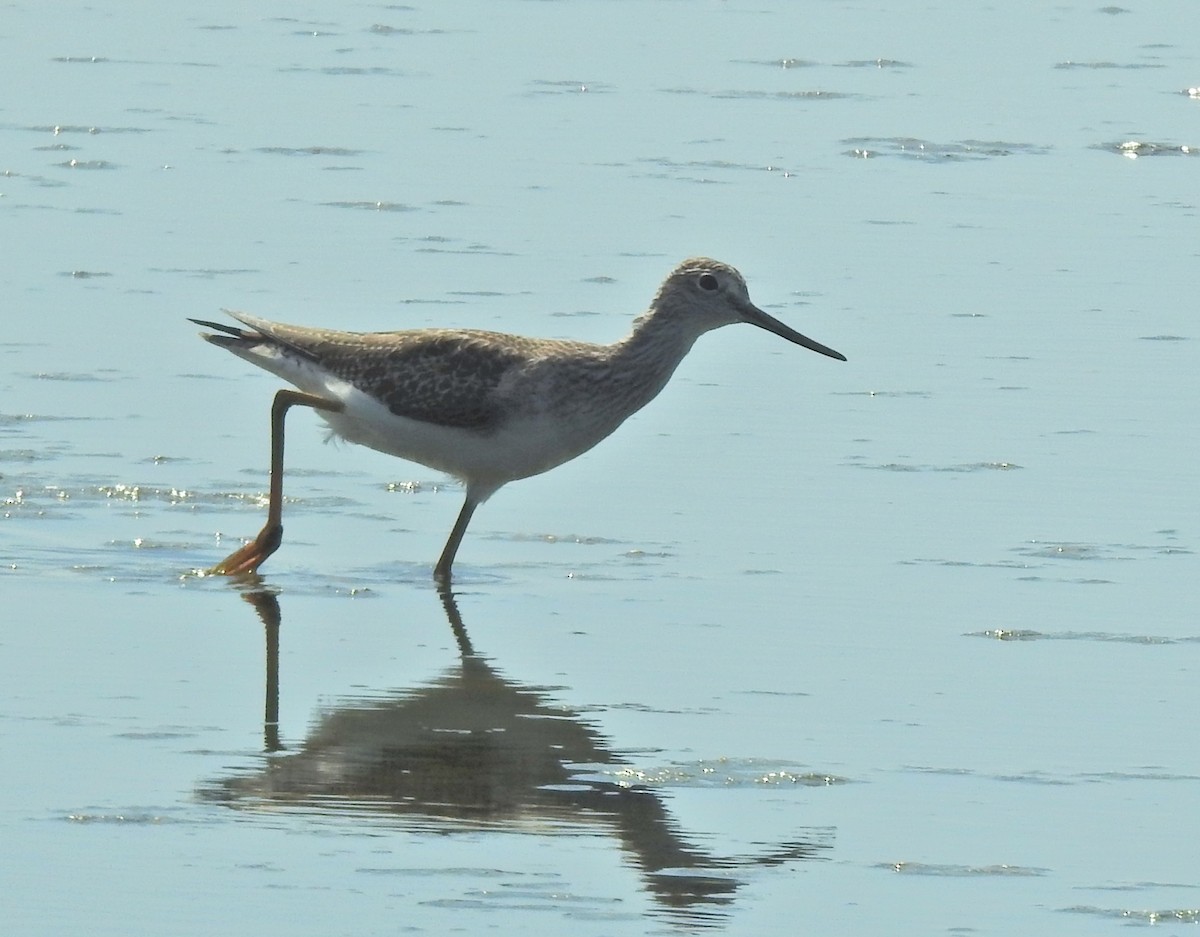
(449,377)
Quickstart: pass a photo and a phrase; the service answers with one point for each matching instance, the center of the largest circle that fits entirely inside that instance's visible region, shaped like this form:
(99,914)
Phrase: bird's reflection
(473,748)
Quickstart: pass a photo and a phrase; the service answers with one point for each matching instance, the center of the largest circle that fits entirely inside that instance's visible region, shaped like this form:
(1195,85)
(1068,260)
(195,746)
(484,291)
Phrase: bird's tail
(232,337)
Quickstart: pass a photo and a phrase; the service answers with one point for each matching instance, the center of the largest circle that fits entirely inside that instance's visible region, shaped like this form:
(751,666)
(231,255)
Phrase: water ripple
(1000,466)
(933,151)
(1136,149)
(946,870)
(1140,915)
(725,773)
(1107,637)
(309,151)
(1105,65)
(735,94)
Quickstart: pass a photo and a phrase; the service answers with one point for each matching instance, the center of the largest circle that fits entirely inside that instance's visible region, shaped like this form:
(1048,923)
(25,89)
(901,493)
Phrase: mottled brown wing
(442,376)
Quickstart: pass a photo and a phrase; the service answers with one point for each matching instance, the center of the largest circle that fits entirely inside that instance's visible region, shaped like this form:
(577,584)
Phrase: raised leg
(254,554)
(441,572)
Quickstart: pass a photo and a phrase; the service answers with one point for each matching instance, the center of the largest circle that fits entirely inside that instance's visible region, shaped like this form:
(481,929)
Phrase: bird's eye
(707,282)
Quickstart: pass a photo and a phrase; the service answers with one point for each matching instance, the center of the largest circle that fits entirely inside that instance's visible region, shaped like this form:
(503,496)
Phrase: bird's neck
(648,356)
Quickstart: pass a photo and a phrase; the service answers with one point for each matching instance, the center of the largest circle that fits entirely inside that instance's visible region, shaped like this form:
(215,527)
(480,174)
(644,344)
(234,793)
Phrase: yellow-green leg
(255,553)
(441,572)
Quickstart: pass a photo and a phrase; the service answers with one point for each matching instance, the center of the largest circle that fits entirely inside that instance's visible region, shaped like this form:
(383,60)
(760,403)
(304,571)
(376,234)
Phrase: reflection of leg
(254,554)
(456,622)
(441,572)
(267,606)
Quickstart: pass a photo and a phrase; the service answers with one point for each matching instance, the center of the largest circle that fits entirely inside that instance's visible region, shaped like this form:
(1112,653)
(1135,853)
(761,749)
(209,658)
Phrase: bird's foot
(248,558)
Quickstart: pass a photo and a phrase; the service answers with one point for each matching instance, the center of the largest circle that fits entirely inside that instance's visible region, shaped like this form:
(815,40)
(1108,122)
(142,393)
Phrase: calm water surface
(902,645)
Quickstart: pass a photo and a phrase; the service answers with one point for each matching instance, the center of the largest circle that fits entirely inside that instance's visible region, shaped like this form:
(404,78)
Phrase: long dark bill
(756,316)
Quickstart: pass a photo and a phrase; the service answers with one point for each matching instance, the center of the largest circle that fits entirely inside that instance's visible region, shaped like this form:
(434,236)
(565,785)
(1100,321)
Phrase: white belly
(533,439)
(482,459)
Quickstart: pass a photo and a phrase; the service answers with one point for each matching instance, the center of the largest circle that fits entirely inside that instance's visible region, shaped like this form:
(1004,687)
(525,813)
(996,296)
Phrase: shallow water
(906,644)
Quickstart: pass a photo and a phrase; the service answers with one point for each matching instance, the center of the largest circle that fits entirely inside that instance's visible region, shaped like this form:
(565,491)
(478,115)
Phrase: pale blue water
(902,645)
